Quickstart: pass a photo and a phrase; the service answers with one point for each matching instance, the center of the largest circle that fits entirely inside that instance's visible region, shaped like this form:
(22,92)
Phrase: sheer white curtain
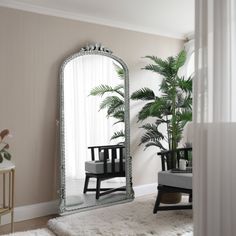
(188,68)
(85,125)
(214,147)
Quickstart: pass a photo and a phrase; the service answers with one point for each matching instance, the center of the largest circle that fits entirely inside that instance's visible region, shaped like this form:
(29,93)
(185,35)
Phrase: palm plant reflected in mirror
(114,102)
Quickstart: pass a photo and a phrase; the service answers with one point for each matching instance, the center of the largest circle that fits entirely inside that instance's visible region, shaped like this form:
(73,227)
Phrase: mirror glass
(93,140)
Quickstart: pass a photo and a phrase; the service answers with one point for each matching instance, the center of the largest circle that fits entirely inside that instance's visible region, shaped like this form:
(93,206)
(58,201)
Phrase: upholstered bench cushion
(178,180)
(96,167)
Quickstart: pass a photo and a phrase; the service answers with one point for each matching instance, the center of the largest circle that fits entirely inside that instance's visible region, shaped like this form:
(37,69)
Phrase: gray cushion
(179,180)
(96,167)
(101,156)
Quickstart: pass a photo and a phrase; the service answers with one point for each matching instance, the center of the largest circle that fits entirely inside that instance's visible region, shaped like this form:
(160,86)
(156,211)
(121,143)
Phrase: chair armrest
(168,157)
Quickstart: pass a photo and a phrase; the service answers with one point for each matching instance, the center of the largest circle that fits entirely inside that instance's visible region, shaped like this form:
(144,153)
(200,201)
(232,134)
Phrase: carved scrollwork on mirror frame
(69,200)
(96,47)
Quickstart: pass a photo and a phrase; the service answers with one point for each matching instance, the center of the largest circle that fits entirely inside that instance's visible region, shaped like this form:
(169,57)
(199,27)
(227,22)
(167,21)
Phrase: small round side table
(7,174)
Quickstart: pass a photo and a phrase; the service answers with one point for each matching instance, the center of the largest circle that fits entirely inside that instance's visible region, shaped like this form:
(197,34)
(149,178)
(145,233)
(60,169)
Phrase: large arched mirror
(94,130)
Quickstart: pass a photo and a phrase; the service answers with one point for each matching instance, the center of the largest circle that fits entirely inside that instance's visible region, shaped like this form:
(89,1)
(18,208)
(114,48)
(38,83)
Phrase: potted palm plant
(172,109)
(113,102)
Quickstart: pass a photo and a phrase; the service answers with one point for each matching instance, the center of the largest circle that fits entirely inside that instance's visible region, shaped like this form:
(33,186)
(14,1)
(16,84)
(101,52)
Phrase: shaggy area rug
(36,232)
(130,219)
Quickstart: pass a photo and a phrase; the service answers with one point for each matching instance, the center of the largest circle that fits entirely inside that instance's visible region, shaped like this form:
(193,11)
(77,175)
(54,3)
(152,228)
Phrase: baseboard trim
(31,211)
(146,189)
(47,208)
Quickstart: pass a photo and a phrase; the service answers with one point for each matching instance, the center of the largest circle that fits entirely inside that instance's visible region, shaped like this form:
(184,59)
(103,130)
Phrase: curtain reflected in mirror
(94,109)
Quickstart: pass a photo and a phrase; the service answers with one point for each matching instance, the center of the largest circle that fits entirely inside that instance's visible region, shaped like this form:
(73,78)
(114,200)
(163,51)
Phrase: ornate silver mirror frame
(94,49)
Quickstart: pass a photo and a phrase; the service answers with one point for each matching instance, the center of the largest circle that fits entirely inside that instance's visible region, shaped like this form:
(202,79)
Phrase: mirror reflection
(94,131)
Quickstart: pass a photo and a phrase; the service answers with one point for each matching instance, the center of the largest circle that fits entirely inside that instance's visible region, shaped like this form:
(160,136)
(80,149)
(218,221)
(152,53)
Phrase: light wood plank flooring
(36,223)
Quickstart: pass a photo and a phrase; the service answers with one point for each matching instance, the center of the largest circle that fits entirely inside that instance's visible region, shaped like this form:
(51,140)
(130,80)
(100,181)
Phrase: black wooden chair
(170,180)
(106,162)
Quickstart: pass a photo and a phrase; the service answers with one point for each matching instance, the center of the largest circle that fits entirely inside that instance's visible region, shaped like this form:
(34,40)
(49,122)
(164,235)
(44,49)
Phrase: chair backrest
(170,158)
(110,154)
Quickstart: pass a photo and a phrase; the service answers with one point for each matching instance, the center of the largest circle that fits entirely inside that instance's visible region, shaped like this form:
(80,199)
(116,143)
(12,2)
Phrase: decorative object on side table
(7,173)
(4,146)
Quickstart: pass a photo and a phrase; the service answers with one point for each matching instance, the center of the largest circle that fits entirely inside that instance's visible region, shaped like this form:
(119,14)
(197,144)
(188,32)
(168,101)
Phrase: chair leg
(86,183)
(98,188)
(190,199)
(157,203)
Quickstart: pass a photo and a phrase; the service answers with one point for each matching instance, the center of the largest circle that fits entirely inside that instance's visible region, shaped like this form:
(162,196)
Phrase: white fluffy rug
(130,219)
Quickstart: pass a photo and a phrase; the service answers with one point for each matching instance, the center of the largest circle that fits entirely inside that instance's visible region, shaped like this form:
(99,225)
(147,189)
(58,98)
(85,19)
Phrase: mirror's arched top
(95,49)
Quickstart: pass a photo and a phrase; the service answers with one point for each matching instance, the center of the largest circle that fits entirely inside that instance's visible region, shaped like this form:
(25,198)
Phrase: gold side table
(7,174)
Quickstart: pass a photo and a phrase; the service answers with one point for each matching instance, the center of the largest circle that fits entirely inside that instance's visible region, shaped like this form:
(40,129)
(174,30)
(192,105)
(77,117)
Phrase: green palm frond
(112,110)
(152,129)
(4,154)
(153,68)
(187,102)
(119,87)
(163,67)
(101,90)
(184,116)
(149,137)
(164,86)
(185,84)
(118,121)
(119,116)
(179,131)
(160,108)
(161,63)
(112,104)
(111,101)
(155,144)
(120,71)
(180,59)
(166,72)
(152,138)
(145,112)
(118,134)
(143,94)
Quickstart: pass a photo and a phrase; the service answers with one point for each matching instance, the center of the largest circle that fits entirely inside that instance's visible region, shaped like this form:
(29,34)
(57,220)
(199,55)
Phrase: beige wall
(32,48)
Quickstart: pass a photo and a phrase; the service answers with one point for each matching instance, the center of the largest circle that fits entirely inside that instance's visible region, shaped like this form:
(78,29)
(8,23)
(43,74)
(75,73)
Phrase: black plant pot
(171,198)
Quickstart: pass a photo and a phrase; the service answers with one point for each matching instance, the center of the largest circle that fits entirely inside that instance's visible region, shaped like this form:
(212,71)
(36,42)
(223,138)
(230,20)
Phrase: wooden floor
(27,225)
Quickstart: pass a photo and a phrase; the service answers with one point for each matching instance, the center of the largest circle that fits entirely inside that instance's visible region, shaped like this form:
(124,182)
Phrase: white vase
(6,165)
